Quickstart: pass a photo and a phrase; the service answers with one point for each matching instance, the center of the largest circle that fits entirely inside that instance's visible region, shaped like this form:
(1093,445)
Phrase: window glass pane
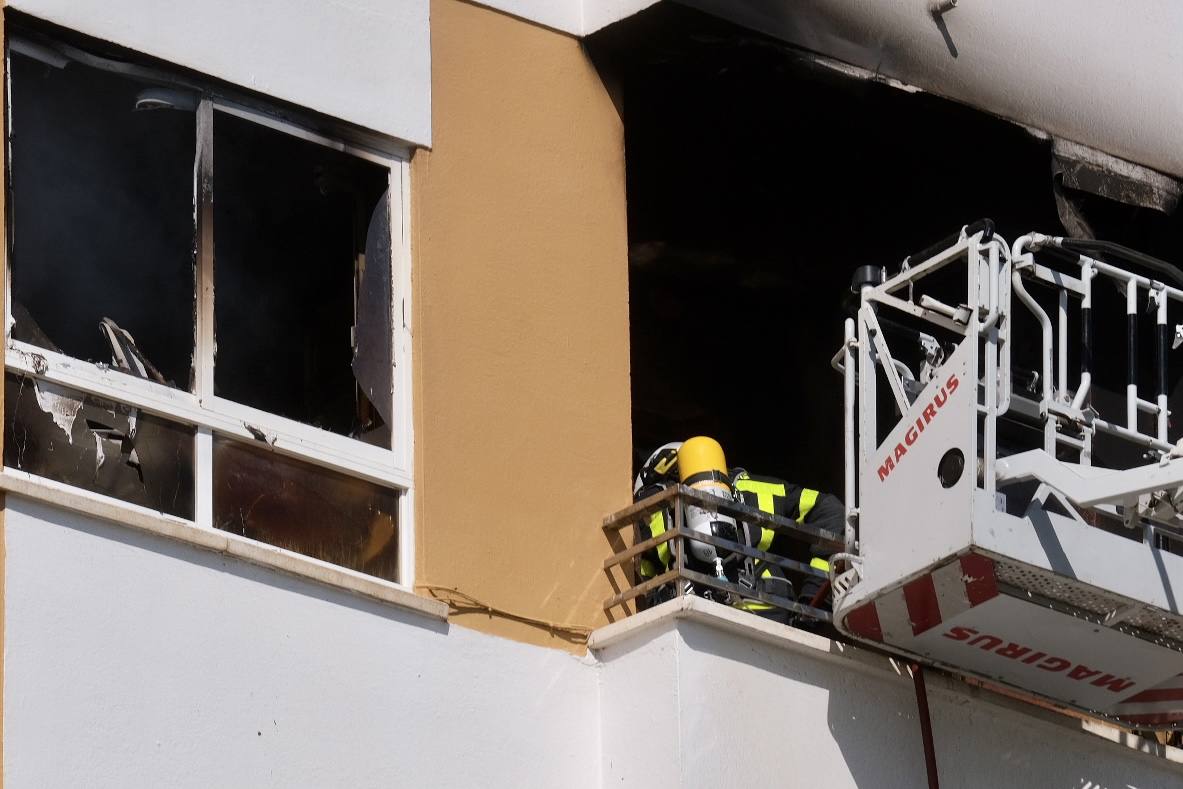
(304,508)
(98,445)
(102,212)
(295,292)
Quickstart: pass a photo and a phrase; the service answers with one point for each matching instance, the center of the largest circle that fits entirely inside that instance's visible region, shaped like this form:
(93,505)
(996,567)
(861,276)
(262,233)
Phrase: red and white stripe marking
(1161,705)
(949,591)
(925,602)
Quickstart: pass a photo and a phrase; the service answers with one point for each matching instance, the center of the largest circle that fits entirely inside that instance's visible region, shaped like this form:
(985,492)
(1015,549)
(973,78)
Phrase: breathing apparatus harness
(699,463)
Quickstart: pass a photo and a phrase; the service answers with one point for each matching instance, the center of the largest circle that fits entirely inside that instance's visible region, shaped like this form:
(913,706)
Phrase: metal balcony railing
(684,579)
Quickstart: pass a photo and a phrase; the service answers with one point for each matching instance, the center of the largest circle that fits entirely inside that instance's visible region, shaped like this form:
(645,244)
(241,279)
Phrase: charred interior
(291,219)
(102,223)
(759,178)
(306,509)
(142,198)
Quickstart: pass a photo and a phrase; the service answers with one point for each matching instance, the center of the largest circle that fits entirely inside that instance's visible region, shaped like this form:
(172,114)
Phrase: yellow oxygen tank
(703,467)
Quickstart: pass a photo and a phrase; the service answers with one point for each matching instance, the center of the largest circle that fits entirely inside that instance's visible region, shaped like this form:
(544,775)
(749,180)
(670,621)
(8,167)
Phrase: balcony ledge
(53,494)
(618,638)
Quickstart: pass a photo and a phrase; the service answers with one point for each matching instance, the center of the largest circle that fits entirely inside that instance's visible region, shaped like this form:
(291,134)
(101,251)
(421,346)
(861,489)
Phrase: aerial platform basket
(1018,526)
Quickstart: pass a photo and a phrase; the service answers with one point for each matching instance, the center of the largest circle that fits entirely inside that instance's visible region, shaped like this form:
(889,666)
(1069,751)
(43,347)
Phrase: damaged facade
(335,331)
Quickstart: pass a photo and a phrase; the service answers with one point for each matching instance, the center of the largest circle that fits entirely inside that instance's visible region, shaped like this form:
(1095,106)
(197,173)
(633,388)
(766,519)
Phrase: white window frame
(209,414)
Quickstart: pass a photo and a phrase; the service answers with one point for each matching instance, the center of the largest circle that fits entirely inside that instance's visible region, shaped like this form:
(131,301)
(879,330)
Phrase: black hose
(940,246)
(1160,267)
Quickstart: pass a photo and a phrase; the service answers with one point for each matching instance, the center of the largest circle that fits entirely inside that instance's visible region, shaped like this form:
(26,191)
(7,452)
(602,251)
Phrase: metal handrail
(752,515)
(675,497)
(1136,288)
(1065,415)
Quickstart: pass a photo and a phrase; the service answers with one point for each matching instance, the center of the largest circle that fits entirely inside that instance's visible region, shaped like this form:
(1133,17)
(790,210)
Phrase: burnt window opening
(226,268)
(293,276)
(104,231)
(758,180)
(101,217)
(287,503)
(98,445)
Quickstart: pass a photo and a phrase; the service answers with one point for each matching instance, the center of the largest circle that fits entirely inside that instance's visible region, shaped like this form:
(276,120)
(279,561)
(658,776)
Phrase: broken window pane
(268,497)
(98,445)
(102,210)
(293,280)
(374,331)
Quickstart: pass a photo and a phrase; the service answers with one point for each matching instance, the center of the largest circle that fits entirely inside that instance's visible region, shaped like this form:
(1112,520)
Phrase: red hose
(821,595)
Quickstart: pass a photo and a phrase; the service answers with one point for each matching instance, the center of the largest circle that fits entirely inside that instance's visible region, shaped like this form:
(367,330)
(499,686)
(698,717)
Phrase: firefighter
(774,496)
(796,503)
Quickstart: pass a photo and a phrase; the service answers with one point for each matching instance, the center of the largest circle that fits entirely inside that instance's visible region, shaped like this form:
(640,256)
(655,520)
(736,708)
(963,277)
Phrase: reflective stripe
(656,527)
(748,604)
(808,499)
(819,563)
(764,492)
(766,536)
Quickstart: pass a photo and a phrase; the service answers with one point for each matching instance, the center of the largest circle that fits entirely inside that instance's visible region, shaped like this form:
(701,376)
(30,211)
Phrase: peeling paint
(99,455)
(1094,171)
(857,72)
(259,434)
(55,401)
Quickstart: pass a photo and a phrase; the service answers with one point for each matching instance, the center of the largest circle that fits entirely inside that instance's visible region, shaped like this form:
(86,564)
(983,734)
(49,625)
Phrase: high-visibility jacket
(656,560)
(795,502)
(769,494)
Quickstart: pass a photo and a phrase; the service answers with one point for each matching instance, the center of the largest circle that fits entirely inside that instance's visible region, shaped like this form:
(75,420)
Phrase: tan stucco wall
(520,323)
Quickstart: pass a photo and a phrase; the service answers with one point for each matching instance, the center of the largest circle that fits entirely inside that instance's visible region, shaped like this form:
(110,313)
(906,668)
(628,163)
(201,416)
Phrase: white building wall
(363,61)
(564,15)
(639,727)
(577,17)
(763,705)
(133,660)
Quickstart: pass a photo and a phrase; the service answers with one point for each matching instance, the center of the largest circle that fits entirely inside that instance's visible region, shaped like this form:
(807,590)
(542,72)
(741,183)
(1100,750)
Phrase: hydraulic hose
(986,225)
(1087,245)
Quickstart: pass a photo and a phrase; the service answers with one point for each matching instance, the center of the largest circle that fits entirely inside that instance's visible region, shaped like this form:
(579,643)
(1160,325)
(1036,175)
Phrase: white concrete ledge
(747,626)
(149,521)
(714,614)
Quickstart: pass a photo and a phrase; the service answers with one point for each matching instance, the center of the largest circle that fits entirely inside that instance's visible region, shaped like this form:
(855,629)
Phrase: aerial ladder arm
(1089,486)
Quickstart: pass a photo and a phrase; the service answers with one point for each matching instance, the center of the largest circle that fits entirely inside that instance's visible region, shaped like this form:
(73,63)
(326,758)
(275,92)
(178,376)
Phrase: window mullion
(203,183)
(203,477)
(403,445)
(203,340)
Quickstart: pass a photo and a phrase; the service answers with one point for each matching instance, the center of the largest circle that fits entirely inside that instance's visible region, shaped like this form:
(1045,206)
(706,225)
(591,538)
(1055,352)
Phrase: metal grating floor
(1150,620)
(1145,622)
